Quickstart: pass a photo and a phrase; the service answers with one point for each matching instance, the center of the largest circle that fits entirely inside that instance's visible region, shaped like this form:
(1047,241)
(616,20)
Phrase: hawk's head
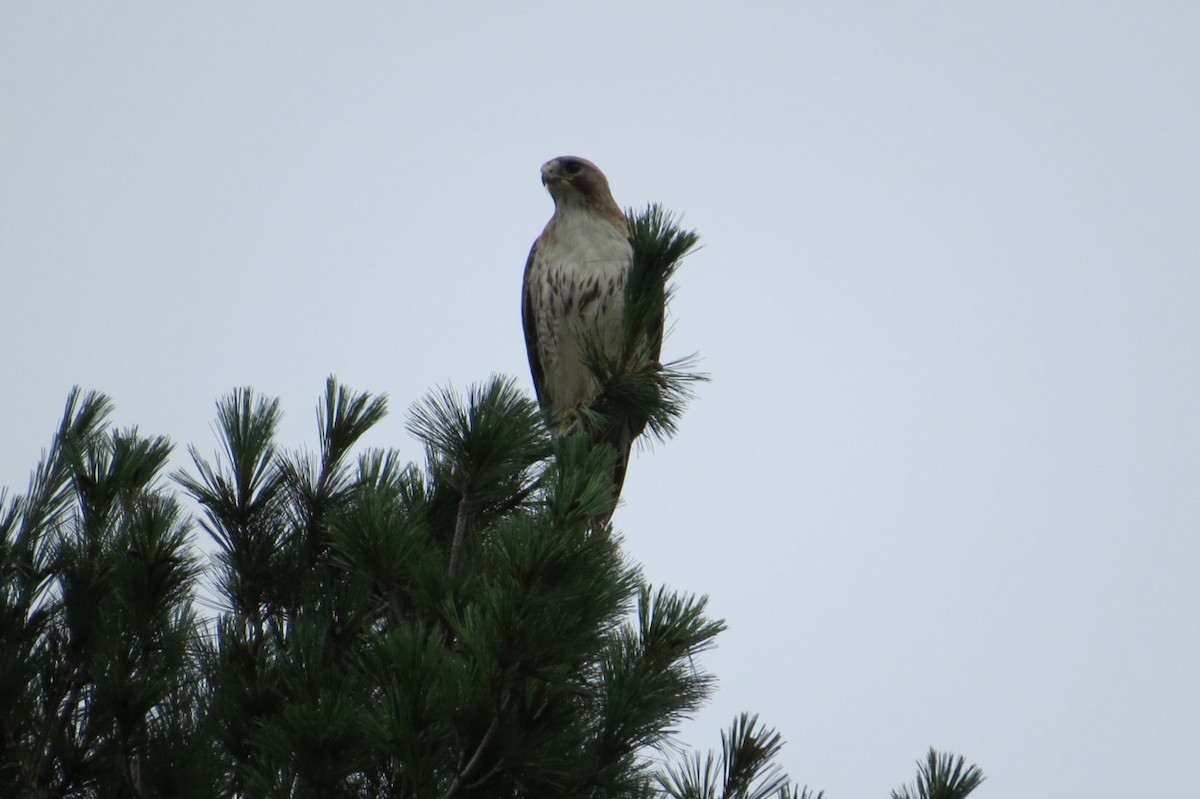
(577,183)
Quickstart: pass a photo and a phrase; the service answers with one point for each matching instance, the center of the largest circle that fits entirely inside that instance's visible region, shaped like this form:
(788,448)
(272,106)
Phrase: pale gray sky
(945,484)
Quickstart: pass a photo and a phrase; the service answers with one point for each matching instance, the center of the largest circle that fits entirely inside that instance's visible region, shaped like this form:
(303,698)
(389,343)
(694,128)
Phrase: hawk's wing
(531,336)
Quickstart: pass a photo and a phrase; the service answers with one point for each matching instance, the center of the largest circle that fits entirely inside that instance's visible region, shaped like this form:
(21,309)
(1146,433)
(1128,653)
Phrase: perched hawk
(574,290)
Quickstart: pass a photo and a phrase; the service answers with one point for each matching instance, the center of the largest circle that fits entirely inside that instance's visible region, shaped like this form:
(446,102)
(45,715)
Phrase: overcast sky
(945,483)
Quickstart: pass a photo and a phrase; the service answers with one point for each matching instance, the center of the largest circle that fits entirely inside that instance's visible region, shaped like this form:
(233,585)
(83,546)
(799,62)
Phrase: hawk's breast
(577,291)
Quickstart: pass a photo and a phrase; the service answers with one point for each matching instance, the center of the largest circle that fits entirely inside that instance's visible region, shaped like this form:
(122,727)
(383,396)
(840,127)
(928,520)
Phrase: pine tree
(461,629)
(99,683)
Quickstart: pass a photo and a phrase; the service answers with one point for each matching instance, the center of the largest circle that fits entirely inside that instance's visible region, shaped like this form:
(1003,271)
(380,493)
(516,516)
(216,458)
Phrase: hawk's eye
(573,167)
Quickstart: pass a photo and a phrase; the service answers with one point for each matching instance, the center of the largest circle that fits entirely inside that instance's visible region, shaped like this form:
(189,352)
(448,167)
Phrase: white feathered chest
(575,288)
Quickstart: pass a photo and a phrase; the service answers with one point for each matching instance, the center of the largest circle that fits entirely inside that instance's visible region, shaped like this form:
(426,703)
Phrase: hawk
(574,291)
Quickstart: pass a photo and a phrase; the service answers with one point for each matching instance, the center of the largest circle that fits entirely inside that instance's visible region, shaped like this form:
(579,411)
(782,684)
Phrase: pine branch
(746,754)
(482,448)
(49,497)
(344,419)
(460,531)
(659,247)
(637,391)
(242,495)
(745,768)
(942,776)
(316,489)
(468,771)
(246,481)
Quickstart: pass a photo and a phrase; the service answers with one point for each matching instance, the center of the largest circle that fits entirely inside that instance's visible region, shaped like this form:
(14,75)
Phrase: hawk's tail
(622,441)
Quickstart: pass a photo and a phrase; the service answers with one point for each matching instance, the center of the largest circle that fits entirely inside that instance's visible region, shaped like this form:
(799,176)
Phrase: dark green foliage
(743,769)
(481,451)
(941,776)
(99,683)
(638,392)
(468,629)
(375,665)
(463,630)
(659,247)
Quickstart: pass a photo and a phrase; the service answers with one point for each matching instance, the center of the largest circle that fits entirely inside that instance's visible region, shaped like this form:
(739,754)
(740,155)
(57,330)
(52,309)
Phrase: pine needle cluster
(637,391)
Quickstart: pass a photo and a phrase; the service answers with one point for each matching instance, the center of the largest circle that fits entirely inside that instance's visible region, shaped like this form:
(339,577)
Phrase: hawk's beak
(548,173)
